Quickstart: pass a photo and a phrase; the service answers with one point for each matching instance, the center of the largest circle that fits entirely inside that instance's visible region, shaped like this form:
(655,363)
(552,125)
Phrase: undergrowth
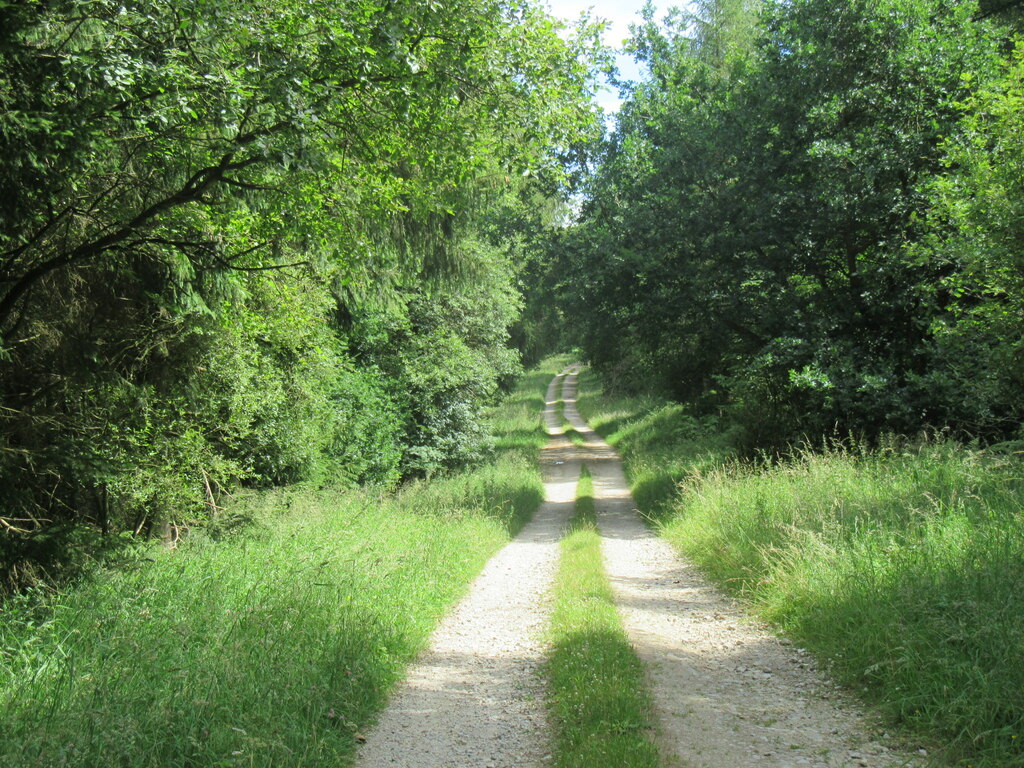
(601,707)
(902,565)
(271,647)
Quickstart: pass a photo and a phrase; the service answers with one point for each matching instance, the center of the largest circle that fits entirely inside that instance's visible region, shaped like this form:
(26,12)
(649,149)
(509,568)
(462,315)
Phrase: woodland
(248,245)
(258,244)
(808,221)
(281,288)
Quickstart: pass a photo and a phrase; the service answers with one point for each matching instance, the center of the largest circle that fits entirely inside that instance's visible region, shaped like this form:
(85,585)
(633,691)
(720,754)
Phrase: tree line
(809,219)
(251,243)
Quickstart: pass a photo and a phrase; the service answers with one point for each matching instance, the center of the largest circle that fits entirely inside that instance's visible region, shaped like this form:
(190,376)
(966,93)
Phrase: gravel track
(475,699)
(728,693)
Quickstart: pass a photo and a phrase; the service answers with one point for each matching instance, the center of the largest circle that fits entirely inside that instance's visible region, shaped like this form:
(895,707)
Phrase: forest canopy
(251,243)
(808,220)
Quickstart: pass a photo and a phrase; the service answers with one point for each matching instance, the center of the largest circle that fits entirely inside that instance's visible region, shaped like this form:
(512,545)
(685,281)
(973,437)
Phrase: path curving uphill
(727,692)
(474,699)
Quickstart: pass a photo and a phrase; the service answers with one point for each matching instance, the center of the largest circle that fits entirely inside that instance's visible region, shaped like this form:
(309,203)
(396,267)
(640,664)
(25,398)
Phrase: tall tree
(204,199)
(752,220)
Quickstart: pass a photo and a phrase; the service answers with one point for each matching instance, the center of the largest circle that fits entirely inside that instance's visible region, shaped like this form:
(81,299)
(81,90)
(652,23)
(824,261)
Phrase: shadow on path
(727,692)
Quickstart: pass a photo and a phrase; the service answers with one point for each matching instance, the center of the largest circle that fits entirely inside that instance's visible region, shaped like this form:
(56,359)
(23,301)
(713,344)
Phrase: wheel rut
(727,692)
(474,698)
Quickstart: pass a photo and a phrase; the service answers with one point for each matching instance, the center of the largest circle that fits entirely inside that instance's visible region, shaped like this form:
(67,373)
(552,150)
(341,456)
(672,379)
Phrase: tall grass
(902,566)
(661,442)
(600,703)
(273,647)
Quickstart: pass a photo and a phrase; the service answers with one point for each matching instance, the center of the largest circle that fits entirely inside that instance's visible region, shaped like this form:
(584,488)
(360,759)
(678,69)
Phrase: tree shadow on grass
(601,707)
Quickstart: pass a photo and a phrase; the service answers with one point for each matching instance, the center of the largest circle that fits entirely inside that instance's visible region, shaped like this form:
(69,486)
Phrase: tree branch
(269,268)
(192,190)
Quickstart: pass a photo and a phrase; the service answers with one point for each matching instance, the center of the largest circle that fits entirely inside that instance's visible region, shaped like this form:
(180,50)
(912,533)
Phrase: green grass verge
(661,443)
(601,708)
(902,566)
(272,647)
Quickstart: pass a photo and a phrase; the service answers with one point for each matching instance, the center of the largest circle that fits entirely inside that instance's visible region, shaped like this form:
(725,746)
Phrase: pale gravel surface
(728,693)
(474,699)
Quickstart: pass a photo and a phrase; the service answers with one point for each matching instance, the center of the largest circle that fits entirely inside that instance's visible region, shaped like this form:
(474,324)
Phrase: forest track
(727,692)
(474,698)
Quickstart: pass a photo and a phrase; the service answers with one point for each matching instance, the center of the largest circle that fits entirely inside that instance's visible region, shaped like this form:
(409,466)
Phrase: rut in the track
(728,694)
(474,699)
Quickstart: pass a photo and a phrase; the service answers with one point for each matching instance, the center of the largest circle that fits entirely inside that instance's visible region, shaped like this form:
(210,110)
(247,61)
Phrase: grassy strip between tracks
(901,565)
(273,646)
(601,708)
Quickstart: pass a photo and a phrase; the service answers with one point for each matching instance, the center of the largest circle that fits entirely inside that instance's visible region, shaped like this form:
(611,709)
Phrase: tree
(183,177)
(141,129)
(976,243)
(753,212)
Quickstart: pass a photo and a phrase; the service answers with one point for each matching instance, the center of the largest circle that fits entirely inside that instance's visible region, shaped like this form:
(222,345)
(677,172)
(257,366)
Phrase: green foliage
(533,225)
(900,566)
(272,648)
(151,421)
(977,241)
(457,362)
(795,223)
(274,644)
(251,243)
(443,350)
(145,129)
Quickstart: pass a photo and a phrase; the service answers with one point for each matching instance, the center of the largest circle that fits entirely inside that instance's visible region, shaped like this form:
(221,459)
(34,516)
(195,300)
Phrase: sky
(620,14)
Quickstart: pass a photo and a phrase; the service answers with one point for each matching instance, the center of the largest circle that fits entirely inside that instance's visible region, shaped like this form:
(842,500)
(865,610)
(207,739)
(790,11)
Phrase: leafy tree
(746,238)
(203,199)
(976,244)
(139,129)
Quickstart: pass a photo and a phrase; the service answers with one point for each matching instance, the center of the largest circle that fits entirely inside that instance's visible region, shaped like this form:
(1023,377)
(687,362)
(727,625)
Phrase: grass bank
(902,566)
(601,708)
(661,443)
(272,647)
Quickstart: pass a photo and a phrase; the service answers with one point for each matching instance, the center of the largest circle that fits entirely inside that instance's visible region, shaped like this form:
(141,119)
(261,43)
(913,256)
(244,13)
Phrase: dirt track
(475,698)
(728,694)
